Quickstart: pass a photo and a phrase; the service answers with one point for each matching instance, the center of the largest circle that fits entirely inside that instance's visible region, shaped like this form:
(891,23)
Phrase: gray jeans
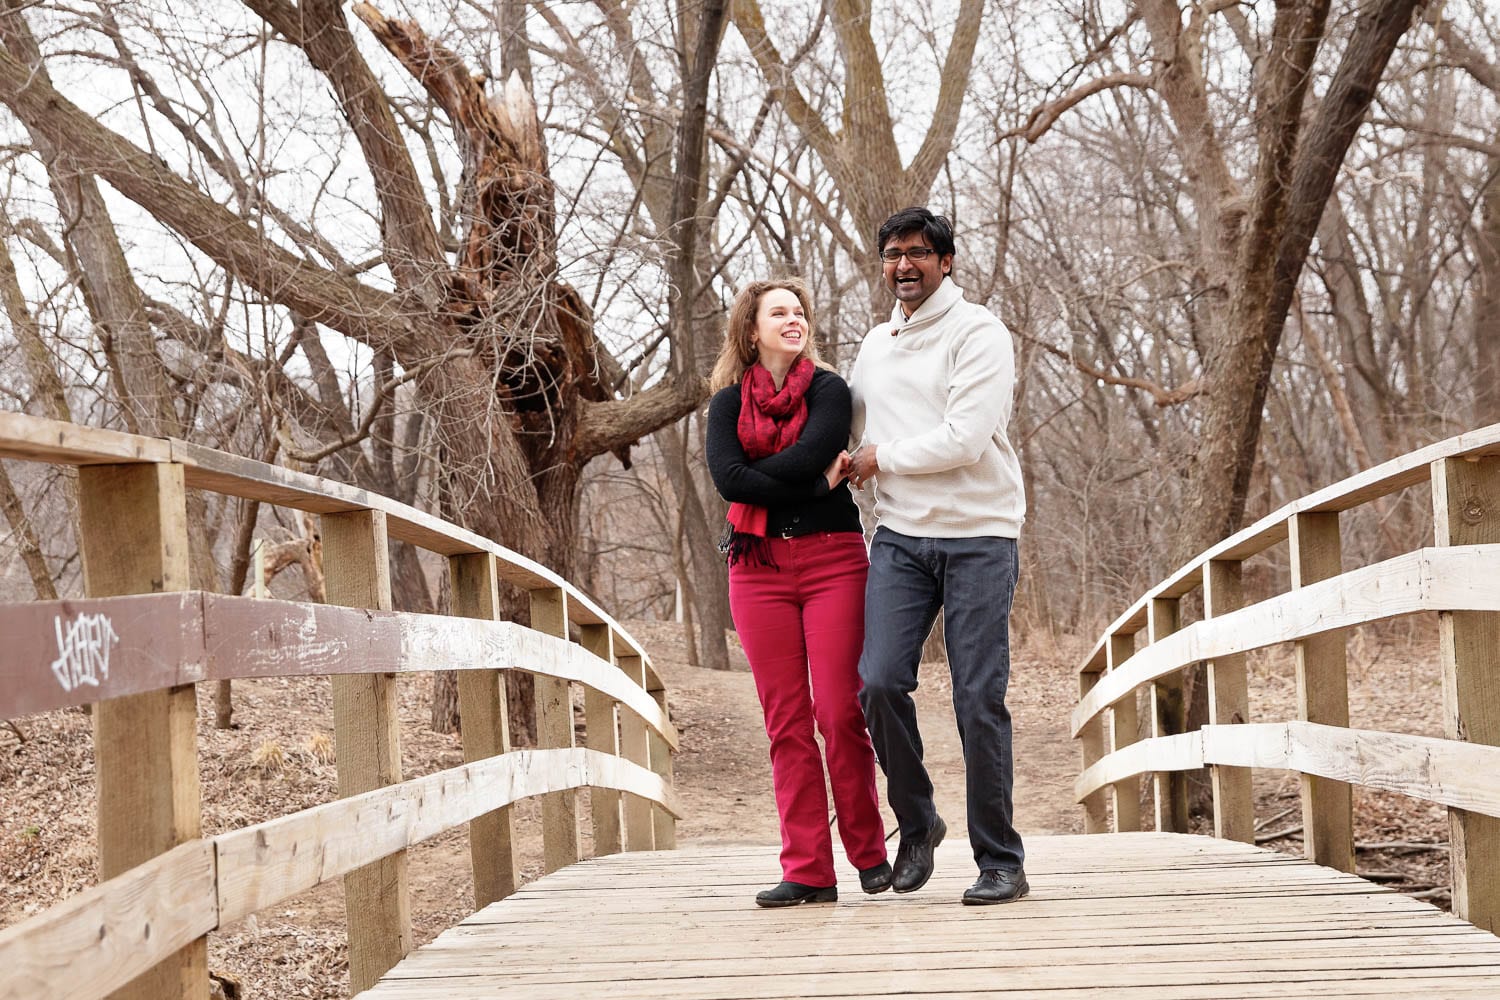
(973,581)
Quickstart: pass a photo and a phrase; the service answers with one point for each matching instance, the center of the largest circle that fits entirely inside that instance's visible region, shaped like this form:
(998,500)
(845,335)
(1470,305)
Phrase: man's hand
(862,466)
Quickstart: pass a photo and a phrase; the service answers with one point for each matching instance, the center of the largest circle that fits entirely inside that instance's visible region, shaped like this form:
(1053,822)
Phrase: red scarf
(771,420)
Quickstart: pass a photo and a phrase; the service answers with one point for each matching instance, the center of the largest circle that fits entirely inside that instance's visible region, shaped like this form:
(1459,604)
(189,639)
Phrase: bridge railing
(138,643)
(1137,666)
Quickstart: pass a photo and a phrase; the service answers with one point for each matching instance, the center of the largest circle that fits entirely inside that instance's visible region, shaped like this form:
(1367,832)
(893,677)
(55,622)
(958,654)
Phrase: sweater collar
(946,297)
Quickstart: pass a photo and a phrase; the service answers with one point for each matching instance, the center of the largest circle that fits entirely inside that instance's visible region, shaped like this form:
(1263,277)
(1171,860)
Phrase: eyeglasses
(914,254)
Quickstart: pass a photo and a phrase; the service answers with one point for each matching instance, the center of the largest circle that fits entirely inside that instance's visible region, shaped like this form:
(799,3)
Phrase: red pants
(802,627)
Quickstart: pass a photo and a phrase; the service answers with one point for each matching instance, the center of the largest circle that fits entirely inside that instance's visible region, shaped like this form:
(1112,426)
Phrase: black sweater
(790,483)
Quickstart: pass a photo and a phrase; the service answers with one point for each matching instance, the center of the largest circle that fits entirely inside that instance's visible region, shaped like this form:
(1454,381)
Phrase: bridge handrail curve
(1363,487)
(1132,678)
(157,909)
(29,438)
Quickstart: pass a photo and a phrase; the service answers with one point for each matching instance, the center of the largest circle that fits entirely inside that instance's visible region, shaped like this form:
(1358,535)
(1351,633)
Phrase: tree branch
(614,425)
(957,68)
(415,254)
(383,394)
(1044,116)
(367,314)
(1162,397)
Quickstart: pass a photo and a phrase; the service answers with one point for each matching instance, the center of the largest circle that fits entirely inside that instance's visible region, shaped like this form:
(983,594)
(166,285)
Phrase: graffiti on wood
(83,647)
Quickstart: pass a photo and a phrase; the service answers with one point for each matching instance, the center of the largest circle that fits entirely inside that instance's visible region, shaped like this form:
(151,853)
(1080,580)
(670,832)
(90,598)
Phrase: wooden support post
(367,737)
(554,729)
(602,733)
(485,729)
(1228,704)
(635,746)
(1322,694)
(1168,718)
(1091,744)
(663,823)
(1466,501)
(133,539)
(1124,730)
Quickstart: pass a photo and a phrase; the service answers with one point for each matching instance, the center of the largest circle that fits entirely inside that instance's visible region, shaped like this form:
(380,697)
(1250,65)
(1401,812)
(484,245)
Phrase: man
(932,398)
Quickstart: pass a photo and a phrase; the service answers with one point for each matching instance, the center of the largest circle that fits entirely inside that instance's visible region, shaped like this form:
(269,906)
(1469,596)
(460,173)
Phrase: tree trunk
(1486,326)
(700,524)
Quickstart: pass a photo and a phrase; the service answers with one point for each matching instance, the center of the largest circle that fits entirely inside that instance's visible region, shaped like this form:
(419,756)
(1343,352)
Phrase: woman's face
(780,326)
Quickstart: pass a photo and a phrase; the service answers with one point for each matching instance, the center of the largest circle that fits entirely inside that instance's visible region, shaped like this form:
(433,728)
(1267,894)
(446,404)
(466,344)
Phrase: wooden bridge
(1118,912)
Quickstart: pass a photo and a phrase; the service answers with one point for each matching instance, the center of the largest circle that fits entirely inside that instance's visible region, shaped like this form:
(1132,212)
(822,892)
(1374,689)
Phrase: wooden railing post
(602,733)
(554,729)
(485,729)
(1091,746)
(1124,730)
(133,538)
(1168,718)
(1466,502)
(367,739)
(635,746)
(1322,694)
(1228,704)
(663,823)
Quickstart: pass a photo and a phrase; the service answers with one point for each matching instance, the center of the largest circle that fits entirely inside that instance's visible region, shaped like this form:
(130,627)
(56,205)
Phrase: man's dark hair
(937,230)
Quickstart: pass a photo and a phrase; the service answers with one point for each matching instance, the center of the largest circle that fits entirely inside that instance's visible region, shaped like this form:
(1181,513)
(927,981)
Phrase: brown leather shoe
(996,885)
(914,858)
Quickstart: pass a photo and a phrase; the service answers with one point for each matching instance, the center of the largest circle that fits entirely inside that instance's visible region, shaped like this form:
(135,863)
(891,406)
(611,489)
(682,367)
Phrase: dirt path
(723,772)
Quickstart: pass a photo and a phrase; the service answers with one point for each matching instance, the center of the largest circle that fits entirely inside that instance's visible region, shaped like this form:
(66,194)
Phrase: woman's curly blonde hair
(739,351)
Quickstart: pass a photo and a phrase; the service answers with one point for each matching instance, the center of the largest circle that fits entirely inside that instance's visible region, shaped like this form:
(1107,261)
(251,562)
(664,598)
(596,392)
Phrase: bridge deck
(1154,916)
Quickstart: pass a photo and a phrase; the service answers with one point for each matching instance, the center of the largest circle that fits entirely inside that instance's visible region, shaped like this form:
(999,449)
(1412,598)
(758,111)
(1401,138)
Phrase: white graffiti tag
(83,650)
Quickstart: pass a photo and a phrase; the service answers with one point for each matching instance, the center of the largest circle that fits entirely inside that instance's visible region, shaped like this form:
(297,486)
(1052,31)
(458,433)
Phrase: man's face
(911,281)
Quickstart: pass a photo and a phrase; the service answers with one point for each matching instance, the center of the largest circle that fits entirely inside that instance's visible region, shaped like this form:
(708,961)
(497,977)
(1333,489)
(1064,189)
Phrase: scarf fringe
(751,550)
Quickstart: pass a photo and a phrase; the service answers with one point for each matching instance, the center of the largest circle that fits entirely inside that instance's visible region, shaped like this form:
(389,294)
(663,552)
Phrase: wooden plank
(234,475)
(1466,511)
(35,439)
(1382,480)
(367,738)
(1450,772)
(1168,718)
(1454,773)
(1228,702)
(112,932)
(1434,579)
(554,729)
(260,638)
(635,746)
(1124,730)
(1244,923)
(485,730)
(602,733)
(262,865)
(1161,754)
(1322,692)
(133,539)
(58,654)
(1091,749)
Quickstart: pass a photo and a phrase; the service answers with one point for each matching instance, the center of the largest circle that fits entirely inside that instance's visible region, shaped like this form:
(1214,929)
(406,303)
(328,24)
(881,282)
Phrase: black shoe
(792,893)
(876,878)
(996,885)
(914,858)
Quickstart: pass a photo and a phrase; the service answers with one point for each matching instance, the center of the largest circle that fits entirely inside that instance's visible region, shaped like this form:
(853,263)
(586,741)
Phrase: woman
(777,426)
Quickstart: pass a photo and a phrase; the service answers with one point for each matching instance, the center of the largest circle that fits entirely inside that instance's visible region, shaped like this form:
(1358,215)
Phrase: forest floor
(278,760)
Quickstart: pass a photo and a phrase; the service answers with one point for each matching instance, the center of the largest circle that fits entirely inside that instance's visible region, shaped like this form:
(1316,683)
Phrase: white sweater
(933,394)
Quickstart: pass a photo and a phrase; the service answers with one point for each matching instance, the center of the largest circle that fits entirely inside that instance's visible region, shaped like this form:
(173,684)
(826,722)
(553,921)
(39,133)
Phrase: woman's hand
(837,470)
